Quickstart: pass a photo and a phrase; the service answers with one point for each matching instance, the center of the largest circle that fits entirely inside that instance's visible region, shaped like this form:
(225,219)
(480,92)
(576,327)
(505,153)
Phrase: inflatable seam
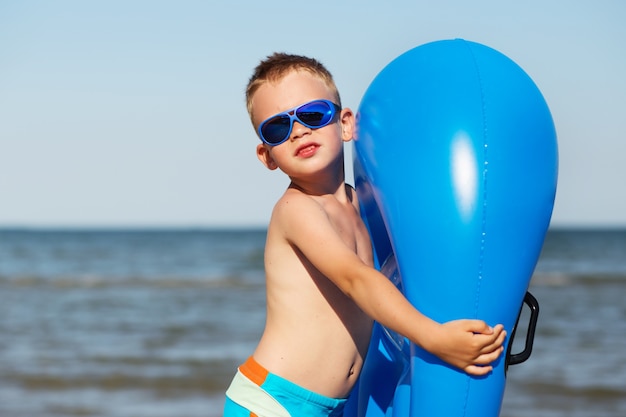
(483,231)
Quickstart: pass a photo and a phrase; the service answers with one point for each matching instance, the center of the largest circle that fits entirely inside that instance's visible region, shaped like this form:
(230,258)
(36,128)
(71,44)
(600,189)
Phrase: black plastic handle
(515,359)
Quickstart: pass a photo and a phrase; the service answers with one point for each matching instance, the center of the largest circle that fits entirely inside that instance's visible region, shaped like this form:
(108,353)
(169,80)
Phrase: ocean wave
(102,282)
(590,392)
(559,279)
(199,382)
(128,373)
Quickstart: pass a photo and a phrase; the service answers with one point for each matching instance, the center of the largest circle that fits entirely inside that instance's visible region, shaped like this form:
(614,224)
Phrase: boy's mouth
(307,150)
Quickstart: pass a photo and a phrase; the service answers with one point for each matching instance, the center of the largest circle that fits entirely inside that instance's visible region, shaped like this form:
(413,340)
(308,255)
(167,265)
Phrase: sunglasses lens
(276,129)
(315,114)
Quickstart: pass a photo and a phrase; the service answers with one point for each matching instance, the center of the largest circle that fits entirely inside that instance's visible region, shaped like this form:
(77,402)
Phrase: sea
(137,323)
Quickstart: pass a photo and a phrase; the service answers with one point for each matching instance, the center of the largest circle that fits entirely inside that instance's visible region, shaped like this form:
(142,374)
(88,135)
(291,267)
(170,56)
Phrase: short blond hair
(279,64)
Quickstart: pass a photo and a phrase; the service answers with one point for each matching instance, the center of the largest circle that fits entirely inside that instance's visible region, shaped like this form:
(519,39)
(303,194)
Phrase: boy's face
(306,149)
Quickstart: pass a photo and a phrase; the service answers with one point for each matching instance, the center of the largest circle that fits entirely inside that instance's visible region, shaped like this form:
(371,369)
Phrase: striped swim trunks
(255,392)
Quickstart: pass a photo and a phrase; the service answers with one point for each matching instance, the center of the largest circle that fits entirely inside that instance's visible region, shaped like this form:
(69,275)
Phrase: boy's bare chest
(353,232)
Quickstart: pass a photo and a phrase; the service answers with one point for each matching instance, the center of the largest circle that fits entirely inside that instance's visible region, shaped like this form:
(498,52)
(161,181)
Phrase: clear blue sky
(131,113)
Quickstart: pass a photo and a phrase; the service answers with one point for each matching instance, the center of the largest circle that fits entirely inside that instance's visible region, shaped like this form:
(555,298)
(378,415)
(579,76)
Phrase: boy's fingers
(478,370)
(498,329)
(479,326)
(489,357)
(494,344)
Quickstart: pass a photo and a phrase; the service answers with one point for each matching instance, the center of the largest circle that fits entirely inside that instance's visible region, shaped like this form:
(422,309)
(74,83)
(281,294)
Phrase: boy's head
(294,105)
(276,66)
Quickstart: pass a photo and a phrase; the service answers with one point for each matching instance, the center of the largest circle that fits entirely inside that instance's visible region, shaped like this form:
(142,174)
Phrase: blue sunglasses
(314,114)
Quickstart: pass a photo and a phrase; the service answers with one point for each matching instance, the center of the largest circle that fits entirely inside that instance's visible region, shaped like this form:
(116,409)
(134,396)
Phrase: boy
(322,291)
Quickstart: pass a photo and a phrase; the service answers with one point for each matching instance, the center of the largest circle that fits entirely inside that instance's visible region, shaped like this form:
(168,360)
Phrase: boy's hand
(470,345)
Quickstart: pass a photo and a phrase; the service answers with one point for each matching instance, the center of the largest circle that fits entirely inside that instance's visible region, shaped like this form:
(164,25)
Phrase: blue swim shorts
(255,392)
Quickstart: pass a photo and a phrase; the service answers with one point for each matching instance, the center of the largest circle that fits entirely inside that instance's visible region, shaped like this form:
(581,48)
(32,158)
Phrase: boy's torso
(315,335)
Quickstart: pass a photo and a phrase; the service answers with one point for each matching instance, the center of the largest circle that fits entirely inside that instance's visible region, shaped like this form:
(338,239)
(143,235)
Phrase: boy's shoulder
(296,217)
(295,202)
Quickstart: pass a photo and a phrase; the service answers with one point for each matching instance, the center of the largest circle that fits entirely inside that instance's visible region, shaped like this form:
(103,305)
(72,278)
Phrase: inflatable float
(455,165)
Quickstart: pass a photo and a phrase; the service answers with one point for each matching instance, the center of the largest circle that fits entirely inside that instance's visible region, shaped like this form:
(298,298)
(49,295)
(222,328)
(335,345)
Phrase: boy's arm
(470,345)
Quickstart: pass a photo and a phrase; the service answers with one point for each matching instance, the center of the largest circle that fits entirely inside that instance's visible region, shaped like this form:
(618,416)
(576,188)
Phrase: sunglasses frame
(293,115)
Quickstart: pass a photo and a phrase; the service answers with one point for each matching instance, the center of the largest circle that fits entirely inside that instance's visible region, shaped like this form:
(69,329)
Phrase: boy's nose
(298,130)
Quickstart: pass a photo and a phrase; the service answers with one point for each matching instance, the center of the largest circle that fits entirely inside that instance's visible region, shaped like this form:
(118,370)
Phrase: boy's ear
(348,124)
(263,153)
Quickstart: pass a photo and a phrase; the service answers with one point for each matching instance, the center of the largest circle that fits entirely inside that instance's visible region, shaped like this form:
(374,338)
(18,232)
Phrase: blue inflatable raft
(456,168)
